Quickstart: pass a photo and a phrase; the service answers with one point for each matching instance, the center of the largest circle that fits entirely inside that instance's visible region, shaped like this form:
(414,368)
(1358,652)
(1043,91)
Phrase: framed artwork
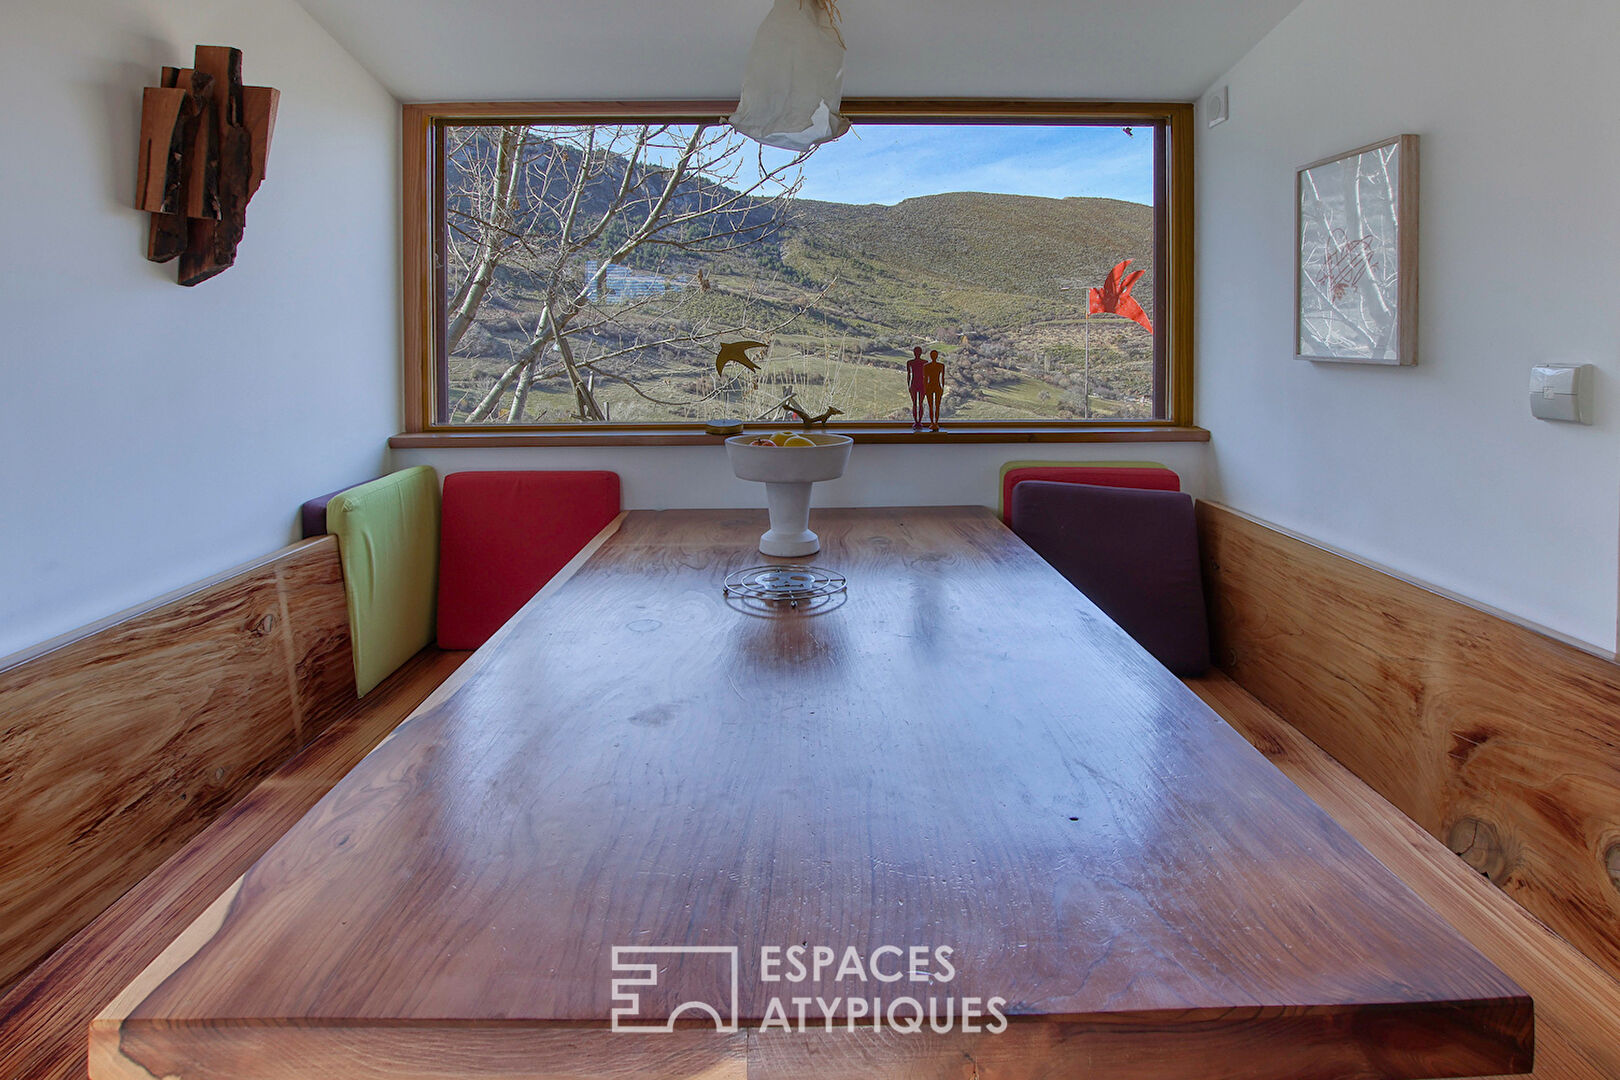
(1356,268)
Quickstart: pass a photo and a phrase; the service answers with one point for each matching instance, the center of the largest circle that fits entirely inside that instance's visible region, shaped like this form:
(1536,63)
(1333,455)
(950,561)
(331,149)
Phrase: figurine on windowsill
(933,386)
(917,381)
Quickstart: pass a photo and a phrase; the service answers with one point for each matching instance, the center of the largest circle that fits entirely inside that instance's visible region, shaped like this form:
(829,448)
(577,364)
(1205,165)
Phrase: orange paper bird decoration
(1114,298)
(736,352)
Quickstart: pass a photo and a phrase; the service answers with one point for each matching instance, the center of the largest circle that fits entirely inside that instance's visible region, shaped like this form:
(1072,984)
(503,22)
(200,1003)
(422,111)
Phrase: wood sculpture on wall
(204,141)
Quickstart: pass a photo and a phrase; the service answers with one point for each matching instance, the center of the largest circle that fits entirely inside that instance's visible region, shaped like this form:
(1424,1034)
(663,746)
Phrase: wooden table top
(963,753)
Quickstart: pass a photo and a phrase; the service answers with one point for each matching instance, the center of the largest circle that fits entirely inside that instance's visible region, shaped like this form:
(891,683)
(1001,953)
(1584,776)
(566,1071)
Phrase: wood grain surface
(963,753)
(1577,1002)
(159,177)
(1496,739)
(123,743)
(44,1016)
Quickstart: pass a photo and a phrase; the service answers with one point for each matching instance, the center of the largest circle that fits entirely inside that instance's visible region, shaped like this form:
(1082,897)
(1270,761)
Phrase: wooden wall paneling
(121,744)
(321,661)
(1500,741)
(119,747)
(45,1016)
(1577,1002)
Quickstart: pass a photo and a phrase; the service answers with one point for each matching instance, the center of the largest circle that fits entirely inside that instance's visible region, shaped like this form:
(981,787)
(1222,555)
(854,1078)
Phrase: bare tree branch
(637,188)
(492,244)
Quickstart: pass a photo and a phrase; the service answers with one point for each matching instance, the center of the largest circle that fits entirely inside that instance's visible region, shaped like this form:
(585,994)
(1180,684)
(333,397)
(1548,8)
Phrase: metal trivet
(773,586)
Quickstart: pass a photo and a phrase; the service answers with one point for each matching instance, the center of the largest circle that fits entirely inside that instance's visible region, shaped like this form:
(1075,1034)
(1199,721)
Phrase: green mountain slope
(1001,243)
(966,259)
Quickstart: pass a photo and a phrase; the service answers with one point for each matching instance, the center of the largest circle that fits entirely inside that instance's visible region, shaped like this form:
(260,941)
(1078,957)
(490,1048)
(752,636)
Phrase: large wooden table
(964,754)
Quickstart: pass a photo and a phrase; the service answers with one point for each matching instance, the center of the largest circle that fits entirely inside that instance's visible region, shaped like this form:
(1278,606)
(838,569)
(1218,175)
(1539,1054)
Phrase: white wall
(1436,471)
(905,474)
(154,435)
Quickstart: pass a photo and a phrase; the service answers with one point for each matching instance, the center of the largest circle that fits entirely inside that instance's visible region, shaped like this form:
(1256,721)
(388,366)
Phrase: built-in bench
(123,740)
(152,758)
(1476,758)
(149,760)
(1577,1003)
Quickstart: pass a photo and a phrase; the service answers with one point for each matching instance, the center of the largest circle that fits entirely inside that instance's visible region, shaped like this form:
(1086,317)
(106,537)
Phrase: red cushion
(503,535)
(1150,479)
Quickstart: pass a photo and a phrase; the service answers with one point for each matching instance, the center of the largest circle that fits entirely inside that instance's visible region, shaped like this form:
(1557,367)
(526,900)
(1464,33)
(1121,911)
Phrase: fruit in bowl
(787,477)
(783,438)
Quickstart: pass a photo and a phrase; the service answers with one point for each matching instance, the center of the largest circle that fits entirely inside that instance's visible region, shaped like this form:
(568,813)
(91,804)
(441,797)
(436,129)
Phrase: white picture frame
(1356,255)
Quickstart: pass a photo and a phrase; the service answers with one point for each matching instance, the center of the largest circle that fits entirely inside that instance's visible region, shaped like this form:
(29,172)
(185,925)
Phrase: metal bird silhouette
(736,351)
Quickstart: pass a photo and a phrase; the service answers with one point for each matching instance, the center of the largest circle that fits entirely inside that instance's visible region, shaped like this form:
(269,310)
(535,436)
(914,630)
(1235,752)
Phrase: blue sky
(886,163)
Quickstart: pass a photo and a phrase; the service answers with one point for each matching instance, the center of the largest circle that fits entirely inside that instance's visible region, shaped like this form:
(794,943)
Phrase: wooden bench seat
(276,638)
(1498,740)
(44,1017)
(1577,1002)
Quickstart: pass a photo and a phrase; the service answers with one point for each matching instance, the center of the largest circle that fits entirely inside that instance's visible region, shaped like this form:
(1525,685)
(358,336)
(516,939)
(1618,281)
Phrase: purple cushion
(1134,553)
(312,515)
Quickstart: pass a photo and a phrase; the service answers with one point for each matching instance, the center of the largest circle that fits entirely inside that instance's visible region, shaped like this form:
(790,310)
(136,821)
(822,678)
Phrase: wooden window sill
(487,437)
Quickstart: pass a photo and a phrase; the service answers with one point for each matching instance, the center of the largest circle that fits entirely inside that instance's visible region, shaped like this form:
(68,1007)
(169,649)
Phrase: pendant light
(794,83)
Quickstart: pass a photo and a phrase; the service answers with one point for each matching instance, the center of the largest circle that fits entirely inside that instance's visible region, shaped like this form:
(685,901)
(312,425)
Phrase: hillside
(996,282)
(998,243)
(969,258)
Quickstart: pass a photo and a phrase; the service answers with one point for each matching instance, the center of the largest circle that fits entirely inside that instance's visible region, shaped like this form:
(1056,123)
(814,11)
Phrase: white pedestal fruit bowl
(788,473)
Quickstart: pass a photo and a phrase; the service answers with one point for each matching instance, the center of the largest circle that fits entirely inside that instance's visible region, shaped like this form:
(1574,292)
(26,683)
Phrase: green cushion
(388,540)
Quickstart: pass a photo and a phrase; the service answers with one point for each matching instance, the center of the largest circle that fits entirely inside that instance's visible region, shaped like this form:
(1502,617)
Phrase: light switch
(1562,392)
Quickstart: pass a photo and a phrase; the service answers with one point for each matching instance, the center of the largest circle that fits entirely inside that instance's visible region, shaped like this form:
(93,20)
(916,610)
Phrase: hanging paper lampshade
(794,82)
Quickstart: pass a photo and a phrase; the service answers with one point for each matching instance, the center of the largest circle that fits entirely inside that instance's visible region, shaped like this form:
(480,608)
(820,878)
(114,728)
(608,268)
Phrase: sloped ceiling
(441,50)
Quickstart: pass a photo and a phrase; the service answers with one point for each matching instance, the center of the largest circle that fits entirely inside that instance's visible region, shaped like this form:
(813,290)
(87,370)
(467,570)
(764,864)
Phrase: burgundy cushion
(1134,553)
(1155,477)
(503,535)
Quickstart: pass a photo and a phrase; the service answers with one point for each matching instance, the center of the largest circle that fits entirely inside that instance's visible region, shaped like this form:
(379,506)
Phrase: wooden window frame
(422,124)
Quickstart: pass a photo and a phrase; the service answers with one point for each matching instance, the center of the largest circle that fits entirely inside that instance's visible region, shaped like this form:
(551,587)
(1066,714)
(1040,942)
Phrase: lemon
(798,440)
